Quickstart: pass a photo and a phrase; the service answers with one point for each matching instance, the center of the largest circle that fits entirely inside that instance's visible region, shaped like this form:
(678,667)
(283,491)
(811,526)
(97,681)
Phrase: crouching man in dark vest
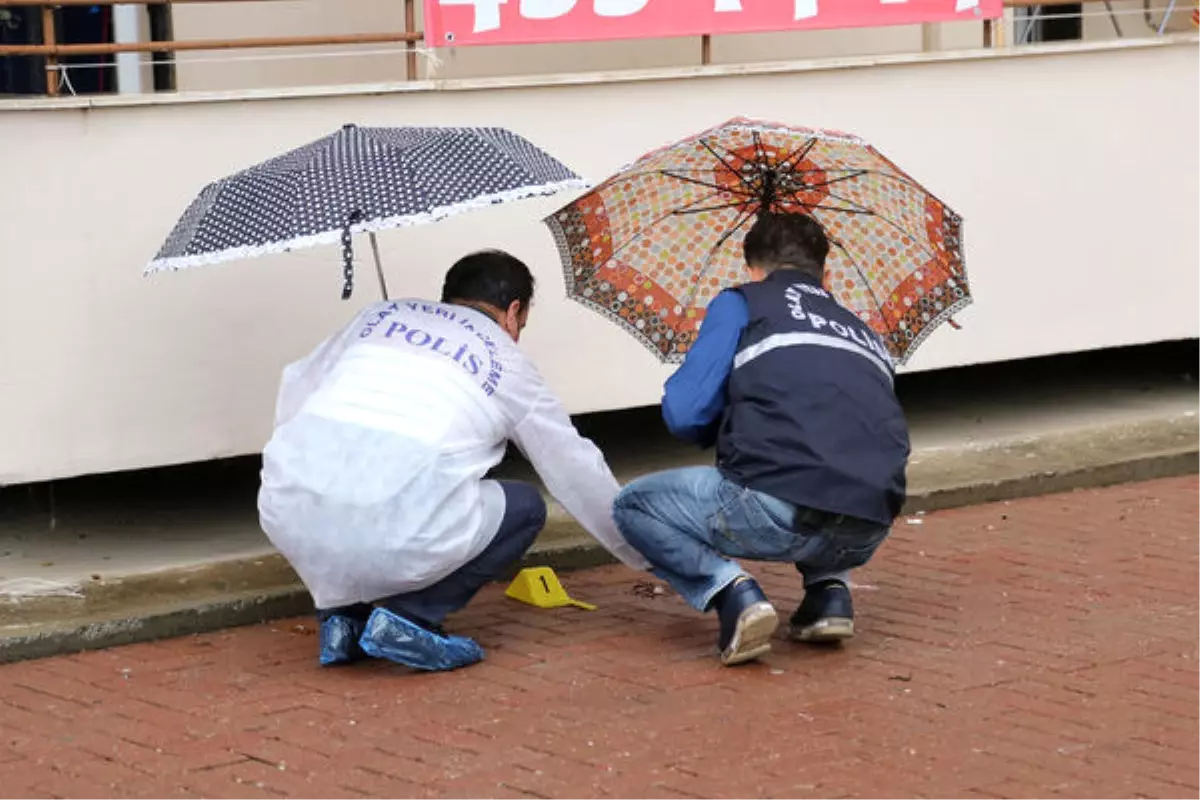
(796,393)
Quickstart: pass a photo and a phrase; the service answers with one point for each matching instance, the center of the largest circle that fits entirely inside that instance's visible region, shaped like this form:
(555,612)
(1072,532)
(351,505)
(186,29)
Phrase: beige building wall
(1076,174)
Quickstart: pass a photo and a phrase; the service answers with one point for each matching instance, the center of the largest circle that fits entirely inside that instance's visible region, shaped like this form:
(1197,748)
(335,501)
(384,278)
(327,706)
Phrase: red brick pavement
(1037,648)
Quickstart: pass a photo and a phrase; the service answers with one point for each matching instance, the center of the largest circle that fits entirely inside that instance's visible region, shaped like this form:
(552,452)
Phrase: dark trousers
(524,518)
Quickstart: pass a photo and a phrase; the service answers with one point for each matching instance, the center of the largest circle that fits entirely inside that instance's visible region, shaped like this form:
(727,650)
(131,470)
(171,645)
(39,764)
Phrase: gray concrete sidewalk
(115,565)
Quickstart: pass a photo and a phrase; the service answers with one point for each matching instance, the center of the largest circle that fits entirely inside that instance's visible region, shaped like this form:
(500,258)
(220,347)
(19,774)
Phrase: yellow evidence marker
(539,586)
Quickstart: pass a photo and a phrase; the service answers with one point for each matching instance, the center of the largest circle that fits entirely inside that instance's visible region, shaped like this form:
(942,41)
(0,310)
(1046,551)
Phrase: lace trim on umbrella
(931,326)
(333,236)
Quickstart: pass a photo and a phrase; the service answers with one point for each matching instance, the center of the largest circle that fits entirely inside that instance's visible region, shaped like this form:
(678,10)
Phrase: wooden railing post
(50,39)
(112,48)
(993,32)
(410,26)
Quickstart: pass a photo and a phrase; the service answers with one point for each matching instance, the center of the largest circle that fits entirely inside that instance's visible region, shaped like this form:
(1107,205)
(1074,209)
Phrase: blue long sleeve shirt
(695,396)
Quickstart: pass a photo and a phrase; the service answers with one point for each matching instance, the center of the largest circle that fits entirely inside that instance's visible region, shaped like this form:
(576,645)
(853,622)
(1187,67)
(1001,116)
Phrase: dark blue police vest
(812,416)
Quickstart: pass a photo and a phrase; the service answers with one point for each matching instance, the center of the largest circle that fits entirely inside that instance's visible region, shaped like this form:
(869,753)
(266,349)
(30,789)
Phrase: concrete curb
(253,590)
(158,622)
(1164,465)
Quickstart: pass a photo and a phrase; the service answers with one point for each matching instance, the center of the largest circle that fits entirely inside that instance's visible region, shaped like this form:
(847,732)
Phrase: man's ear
(512,320)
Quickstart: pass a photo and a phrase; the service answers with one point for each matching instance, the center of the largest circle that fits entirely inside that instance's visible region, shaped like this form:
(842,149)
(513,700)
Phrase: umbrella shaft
(378,265)
(768,198)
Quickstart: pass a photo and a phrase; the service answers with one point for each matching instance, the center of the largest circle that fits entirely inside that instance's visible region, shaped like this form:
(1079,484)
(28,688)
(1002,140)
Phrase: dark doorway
(21,74)
(1050,23)
(90,74)
(87,25)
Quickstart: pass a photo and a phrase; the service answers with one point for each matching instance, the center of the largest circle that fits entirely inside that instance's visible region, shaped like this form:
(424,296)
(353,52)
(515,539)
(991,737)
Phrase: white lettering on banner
(487,12)
(619,8)
(806,9)
(959,5)
(546,9)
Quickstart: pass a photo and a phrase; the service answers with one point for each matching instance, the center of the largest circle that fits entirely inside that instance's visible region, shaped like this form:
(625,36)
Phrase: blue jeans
(524,518)
(688,523)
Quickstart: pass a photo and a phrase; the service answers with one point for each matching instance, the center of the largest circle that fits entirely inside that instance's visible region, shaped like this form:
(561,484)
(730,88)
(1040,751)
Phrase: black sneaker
(747,622)
(826,615)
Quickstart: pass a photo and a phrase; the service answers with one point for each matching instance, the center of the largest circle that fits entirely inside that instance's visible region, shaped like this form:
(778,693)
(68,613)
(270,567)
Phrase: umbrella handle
(348,254)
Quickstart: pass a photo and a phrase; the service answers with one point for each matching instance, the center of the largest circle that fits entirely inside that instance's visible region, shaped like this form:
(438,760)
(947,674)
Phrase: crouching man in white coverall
(373,482)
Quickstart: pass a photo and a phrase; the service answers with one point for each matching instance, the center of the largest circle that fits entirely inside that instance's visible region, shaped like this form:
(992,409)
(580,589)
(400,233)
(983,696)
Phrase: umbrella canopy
(653,244)
(358,179)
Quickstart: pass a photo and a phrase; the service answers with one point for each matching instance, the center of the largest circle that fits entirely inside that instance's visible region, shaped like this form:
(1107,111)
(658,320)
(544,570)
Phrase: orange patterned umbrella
(653,244)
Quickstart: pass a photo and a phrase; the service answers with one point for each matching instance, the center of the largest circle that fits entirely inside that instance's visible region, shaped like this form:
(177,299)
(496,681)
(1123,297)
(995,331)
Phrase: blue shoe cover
(393,637)
(339,641)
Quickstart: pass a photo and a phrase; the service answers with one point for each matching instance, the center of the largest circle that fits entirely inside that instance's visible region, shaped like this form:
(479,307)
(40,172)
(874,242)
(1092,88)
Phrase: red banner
(450,23)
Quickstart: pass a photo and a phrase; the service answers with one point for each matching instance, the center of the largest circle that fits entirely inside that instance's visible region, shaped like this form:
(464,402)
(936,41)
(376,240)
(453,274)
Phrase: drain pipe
(127,29)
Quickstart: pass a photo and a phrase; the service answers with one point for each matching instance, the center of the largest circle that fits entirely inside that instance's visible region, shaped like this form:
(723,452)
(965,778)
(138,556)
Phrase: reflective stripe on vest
(777,340)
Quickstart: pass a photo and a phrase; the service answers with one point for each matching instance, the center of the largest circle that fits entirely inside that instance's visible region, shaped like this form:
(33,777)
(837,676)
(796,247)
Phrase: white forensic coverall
(373,481)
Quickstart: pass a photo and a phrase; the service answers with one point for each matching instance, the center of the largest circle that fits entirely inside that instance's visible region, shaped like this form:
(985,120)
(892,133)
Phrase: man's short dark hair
(777,241)
(489,276)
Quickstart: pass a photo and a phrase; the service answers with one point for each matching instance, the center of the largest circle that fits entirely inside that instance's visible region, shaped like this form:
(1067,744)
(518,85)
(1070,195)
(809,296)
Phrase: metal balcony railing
(50,49)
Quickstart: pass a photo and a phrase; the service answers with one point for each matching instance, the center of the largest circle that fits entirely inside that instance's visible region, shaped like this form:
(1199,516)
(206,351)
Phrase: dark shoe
(747,622)
(396,638)
(339,640)
(826,615)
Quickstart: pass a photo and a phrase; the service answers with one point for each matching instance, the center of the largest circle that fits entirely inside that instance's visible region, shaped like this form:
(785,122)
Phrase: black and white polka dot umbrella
(358,180)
